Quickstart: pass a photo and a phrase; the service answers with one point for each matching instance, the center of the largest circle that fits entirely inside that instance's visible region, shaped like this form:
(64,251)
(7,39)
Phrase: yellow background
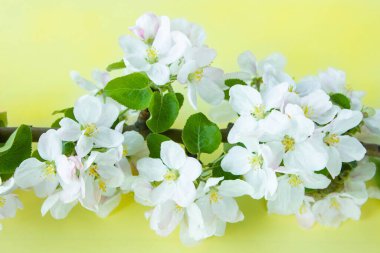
(40,41)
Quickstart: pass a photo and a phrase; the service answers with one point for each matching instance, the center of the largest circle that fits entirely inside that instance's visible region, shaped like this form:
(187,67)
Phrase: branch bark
(141,127)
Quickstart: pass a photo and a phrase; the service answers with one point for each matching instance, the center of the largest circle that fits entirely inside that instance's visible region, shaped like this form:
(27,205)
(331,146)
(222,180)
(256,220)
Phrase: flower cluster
(296,144)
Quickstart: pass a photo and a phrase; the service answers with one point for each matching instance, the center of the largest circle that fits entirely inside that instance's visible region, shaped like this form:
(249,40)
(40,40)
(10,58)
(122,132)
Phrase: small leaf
(56,124)
(154,144)
(68,148)
(180,99)
(200,135)
(376,161)
(67,112)
(163,110)
(340,100)
(3,119)
(17,148)
(116,65)
(132,91)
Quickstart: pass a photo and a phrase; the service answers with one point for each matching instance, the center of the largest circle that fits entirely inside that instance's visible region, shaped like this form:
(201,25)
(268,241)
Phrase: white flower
(300,149)
(304,215)
(101,79)
(290,192)
(175,172)
(257,119)
(218,205)
(340,147)
(58,209)
(336,208)
(41,175)
(256,165)
(165,217)
(270,70)
(222,113)
(166,48)
(355,184)
(93,126)
(146,26)
(318,107)
(207,81)
(194,32)
(101,177)
(9,202)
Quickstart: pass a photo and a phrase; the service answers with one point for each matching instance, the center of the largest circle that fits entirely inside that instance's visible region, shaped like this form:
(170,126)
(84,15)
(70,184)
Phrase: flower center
(93,171)
(125,150)
(49,169)
(178,208)
(214,196)
(294,180)
(102,186)
(331,139)
(2,202)
(89,130)
(151,55)
(307,111)
(257,161)
(334,204)
(259,111)
(171,175)
(197,75)
(288,143)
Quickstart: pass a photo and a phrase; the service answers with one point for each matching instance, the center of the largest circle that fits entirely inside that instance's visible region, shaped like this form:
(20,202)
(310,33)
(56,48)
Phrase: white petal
(244,99)
(70,130)
(172,154)
(191,169)
(132,45)
(334,164)
(186,69)
(46,187)
(227,210)
(237,161)
(345,121)
(29,173)
(152,169)
(109,205)
(244,130)
(87,109)
(108,138)
(108,116)
(49,145)
(314,181)
(84,145)
(184,193)
(112,175)
(363,172)
(350,149)
(159,73)
(235,188)
(247,62)
(165,218)
(192,95)
(134,142)
(210,92)
(162,41)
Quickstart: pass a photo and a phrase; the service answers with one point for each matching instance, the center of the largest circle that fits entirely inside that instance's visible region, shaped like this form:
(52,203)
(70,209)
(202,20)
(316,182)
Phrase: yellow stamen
(102,186)
(49,169)
(334,203)
(288,143)
(125,150)
(294,180)
(171,175)
(151,55)
(2,202)
(307,111)
(93,171)
(259,111)
(257,161)
(214,196)
(89,130)
(178,208)
(197,75)
(331,139)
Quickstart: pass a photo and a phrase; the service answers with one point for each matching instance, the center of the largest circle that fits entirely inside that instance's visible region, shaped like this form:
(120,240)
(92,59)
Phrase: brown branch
(141,127)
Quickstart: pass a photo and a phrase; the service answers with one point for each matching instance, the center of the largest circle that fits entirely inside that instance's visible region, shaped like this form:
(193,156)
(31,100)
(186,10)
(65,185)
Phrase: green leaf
(154,144)
(68,148)
(3,119)
(163,110)
(55,124)
(180,99)
(67,112)
(116,65)
(376,161)
(17,148)
(200,135)
(132,91)
(340,100)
